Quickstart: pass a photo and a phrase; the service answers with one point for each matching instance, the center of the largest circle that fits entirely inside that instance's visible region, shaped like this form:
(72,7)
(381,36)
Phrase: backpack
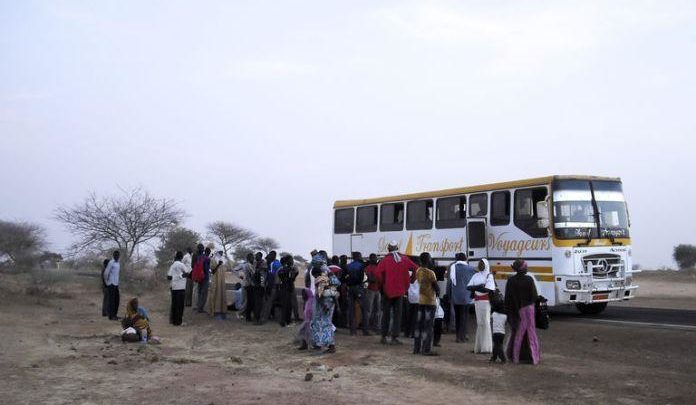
(197,274)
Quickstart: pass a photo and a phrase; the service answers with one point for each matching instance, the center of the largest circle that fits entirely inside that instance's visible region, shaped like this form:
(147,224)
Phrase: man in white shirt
(111,278)
(177,276)
(187,261)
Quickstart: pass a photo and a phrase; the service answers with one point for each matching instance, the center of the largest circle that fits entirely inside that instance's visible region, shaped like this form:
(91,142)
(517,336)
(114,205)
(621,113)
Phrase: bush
(20,243)
(43,283)
(685,256)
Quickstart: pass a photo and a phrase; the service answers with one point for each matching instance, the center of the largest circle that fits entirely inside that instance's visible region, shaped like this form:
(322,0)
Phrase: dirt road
(60,350)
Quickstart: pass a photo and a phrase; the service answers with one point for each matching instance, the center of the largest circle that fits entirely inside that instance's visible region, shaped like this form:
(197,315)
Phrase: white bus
(573,231)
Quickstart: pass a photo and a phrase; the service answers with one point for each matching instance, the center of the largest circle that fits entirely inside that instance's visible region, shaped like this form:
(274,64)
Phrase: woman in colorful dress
(326,296)
(138,319)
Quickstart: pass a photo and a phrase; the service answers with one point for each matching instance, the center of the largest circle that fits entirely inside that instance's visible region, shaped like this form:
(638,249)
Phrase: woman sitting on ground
(138,319)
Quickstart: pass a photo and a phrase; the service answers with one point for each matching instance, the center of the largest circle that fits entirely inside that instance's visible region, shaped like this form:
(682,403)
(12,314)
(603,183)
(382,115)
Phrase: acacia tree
(125,221)
(265,244)
(241,252)
(685,256)
(230,236)
(176,239)
(20,241)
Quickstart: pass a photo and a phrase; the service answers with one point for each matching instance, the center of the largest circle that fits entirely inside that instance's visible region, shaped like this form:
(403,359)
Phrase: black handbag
(541,313)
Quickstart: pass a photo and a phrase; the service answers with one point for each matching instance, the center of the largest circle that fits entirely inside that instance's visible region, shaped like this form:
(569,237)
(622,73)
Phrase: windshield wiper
(612,238)
(589,239)
(595,208)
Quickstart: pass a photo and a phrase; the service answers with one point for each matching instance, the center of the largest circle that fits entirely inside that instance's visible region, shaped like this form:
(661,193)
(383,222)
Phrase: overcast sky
(265,112)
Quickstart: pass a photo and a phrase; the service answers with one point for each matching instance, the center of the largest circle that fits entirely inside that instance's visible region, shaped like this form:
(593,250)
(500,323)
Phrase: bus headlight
(573,284)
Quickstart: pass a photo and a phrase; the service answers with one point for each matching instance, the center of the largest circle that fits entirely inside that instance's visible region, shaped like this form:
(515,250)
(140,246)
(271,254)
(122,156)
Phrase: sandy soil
(665,289)
(60,350)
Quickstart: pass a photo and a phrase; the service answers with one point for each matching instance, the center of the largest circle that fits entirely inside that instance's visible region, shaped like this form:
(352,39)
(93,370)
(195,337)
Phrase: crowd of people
(392,296)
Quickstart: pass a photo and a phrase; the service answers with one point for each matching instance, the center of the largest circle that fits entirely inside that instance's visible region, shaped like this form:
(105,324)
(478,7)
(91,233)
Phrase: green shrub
(685,256)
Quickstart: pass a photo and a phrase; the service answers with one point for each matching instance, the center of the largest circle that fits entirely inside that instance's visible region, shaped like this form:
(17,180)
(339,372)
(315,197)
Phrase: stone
(308,377)
(112,362)
(235,359)
(336,375)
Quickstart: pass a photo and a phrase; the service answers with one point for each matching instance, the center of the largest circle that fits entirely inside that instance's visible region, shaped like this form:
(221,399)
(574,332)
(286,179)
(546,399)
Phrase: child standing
(498,318)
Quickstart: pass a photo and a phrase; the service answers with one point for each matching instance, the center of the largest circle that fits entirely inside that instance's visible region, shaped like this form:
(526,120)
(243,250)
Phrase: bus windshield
(613,215)
(574,210)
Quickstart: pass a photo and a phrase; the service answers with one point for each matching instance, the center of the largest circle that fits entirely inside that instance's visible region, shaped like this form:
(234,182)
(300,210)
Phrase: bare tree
(229,235)
(265,244)
(126,221)
(20,241)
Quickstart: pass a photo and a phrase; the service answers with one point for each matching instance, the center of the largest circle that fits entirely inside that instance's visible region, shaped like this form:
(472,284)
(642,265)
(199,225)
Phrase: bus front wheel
(591,309)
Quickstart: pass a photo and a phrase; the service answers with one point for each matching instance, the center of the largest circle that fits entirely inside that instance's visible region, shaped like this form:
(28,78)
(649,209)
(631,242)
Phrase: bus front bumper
(600,295)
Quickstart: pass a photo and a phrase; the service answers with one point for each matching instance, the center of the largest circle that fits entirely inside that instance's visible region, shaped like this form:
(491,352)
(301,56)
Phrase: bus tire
(591,309)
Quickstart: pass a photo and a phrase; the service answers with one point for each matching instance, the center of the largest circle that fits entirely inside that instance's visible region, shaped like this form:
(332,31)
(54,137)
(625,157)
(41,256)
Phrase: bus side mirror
(542,208)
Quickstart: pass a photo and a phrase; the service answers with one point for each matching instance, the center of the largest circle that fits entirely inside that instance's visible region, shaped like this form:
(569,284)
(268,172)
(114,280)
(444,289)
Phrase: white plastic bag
(439,312)
(414,293)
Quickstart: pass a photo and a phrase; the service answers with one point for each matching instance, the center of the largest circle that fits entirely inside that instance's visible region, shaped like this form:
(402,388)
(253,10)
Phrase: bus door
(476,240)
(356,243)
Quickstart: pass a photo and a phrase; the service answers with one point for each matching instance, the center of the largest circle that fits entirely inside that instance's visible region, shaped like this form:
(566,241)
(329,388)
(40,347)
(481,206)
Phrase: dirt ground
(58,349)
(666,289)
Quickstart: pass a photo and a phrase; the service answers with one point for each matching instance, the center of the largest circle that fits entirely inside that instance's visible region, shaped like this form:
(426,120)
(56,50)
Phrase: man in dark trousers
(111,278)
(202,287)
(394,278)
(355,279)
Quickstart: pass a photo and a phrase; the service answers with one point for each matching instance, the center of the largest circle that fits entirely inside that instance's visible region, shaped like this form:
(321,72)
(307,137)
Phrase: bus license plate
(598,297)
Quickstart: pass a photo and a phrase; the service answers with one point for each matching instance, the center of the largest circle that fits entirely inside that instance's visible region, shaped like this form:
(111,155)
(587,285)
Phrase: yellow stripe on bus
(593,242)
(531,269)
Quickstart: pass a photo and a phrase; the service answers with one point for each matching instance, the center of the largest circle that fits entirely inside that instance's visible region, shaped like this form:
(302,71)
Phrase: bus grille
(603,266)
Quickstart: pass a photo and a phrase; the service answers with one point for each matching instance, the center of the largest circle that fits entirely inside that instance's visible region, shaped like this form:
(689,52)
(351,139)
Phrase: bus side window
(525,210)
(419,215)
(343,221)
(366,219)
(451,212)
(478,205)
(392,217)
(500,208)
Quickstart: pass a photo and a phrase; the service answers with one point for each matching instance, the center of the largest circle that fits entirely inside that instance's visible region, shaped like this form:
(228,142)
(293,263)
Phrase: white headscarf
(481,278)
(487,267)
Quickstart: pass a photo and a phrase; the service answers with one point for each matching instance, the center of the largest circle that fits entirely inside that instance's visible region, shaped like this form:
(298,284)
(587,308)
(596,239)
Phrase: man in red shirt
(374,297)
(394,278)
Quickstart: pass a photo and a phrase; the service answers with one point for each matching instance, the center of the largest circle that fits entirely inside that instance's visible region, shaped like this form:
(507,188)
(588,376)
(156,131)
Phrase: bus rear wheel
(591,309)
